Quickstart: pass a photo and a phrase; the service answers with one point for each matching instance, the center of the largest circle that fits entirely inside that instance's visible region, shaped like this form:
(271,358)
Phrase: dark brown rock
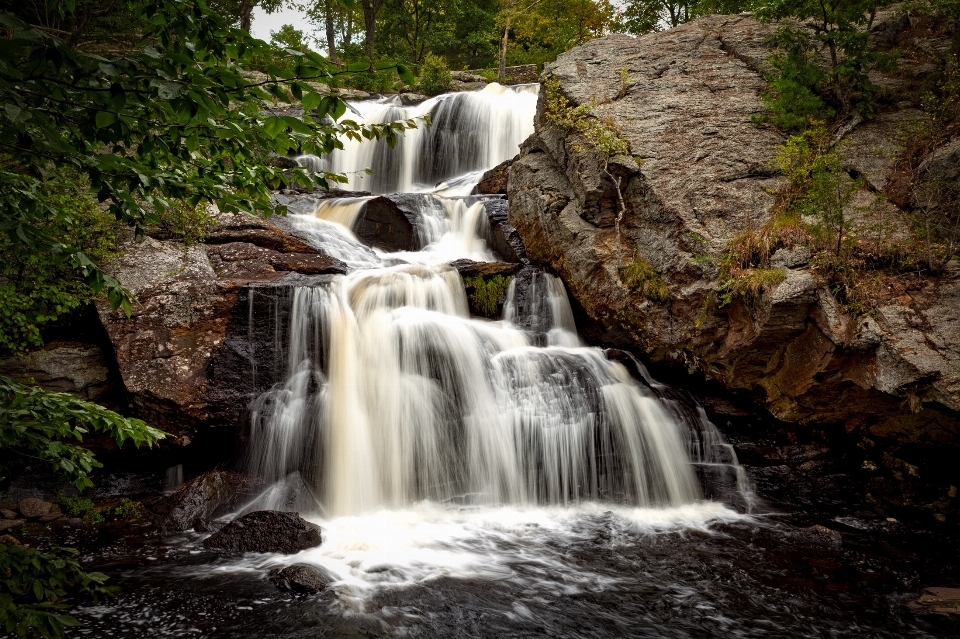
(503,239)
(8,524)
(8,514)
(389,222)
(33,508)
(9,540)
(494,181)
(198,499)
(266,531)
(938,600)
(468,268)
(304,579)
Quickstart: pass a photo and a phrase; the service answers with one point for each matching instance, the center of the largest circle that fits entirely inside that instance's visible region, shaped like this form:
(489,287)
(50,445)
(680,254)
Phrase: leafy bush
(189,223)
(40,424)
(434,76)
(36,586)
(38,288)
(796,82)
(81,507)
(129,510)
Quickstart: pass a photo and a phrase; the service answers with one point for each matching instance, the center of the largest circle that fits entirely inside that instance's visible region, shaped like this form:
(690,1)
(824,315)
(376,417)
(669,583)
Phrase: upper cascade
(468,133)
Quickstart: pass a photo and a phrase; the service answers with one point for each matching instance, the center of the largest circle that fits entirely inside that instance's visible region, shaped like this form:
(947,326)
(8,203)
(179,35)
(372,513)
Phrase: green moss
(81,507)
(484,293)
(641,277)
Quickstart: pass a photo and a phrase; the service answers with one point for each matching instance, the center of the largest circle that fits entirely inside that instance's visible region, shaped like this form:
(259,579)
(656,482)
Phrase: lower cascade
(394,395)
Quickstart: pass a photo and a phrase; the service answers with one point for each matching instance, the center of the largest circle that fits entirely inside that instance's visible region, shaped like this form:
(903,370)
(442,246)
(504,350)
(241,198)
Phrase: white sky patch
(263,23)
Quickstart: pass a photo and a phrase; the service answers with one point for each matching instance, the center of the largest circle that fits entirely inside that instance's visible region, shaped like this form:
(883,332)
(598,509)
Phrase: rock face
(266,531)
(197,499)
(185,297)
(699,174)
(302,579)
(80,368)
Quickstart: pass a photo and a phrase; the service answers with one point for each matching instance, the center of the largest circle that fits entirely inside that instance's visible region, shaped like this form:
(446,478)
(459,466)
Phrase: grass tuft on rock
(485,293)
(641,277)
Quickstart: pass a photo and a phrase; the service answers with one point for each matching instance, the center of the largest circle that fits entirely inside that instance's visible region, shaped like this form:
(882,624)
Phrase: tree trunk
(502,67)
(370,9)
(246,11)
(331,35)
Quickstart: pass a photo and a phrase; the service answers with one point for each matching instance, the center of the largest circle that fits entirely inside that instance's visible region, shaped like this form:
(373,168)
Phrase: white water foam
(366,554)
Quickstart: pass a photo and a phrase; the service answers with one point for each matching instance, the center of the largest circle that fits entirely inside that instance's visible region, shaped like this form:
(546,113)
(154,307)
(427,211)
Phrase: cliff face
(683,99)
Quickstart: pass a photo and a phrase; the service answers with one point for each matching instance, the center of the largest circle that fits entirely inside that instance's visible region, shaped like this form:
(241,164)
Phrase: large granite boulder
(699,174)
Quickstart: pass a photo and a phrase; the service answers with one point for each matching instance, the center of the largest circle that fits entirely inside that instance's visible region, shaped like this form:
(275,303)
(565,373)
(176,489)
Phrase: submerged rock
(266,531)
(301,579)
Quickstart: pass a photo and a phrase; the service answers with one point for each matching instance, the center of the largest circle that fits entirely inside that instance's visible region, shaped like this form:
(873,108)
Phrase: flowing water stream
(473,477)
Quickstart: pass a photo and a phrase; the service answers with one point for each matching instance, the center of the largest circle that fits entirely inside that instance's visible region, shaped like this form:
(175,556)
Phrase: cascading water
(396,404)
(479,478)
(469,133)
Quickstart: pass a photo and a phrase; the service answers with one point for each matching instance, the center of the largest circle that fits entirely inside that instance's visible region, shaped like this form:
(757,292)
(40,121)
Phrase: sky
(263,23)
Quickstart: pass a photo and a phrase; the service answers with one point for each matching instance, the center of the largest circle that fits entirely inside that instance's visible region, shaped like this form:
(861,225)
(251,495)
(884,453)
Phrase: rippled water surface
(697,571)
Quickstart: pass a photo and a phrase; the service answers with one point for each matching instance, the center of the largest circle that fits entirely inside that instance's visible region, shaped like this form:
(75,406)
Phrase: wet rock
(54,513)
(9,540)
(412,99)
(197,499)
(938,600)
(33,508)
(8,524)
(494,181)
(468,268)
(202,525)
(74,522)
(503,238)
(8,514)
(301,579)
(823,535)
(266,531)
(389,222)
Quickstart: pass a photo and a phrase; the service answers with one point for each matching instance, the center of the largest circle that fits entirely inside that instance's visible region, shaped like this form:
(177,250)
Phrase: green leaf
(311,101)
(406,75)
(105,119)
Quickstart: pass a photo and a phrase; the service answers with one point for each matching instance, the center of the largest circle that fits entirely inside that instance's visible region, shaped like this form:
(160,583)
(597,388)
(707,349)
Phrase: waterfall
(469,133)
(393,395)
